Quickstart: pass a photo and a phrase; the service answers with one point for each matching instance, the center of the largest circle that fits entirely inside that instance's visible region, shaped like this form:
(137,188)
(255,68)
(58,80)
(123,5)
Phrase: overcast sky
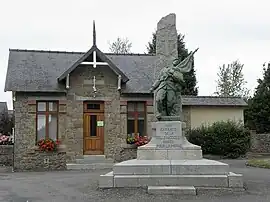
(223,30)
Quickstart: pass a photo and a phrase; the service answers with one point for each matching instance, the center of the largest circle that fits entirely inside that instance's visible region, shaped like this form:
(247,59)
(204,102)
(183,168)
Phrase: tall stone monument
(169,163)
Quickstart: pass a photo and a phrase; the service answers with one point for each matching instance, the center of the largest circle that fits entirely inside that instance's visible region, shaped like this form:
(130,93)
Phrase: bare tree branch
(120,46)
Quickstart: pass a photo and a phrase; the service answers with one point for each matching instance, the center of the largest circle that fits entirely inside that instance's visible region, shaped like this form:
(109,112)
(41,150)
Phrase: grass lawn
(259,163)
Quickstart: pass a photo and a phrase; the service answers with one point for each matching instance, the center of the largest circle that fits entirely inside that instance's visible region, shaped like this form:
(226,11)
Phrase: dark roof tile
(37,70)
(213,101)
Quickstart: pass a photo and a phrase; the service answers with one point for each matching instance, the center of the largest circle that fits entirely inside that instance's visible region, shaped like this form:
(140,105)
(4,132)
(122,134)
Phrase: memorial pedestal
(172,164)
(169,143)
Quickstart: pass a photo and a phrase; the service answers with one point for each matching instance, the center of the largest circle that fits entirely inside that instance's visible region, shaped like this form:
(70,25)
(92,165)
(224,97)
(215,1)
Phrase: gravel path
(81,186)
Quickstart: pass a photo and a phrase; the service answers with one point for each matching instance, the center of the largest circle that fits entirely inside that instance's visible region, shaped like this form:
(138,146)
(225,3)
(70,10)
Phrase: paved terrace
(71,186)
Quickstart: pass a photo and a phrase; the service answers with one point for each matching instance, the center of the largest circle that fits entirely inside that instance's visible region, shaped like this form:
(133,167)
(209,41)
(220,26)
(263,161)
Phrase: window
(47,120)
(136,119)
(93,106)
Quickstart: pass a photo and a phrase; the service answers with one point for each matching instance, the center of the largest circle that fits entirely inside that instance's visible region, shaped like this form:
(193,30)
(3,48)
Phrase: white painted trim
(94,84)
(95,59)
(119,82)
(67,82)
(14,96)
(92,63)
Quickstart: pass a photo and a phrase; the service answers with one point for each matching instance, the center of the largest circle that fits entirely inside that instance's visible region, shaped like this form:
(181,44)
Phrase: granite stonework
(70,125)
(6,155)
(127,152)
(259,143)
(81,89)
(25,122)
(35,160)
(166,42)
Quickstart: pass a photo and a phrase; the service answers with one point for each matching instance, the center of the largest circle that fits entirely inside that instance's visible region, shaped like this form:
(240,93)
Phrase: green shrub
(224,138)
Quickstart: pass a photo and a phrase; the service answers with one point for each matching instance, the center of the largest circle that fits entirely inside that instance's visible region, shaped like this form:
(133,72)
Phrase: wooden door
(93,133)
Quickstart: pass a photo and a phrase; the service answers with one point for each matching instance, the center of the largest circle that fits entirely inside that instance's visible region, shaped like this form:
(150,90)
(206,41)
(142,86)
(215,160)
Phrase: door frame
(93,111)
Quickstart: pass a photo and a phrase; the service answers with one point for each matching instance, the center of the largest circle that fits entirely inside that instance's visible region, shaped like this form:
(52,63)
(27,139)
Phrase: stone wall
(34,160)
(127,152)
(260,143)
(6,155)
(25,122)
(70,119)
(81,89)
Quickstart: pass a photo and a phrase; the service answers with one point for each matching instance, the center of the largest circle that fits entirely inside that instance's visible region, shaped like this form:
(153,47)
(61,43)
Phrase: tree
(120,46)
(189,87)
(257,114)
(6,123)
(231,81)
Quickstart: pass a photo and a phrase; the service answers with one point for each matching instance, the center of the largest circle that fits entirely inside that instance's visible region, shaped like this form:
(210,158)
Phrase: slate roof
(213,101)
(38,71)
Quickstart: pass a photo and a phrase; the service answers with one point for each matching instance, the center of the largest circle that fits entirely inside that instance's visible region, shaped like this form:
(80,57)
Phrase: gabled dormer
(95,58)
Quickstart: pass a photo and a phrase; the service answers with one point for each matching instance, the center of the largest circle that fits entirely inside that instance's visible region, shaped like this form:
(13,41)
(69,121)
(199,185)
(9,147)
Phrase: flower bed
(48,145)
(137,140)
(5,140)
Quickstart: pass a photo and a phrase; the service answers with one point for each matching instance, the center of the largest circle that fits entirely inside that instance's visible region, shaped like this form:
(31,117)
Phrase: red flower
(48,145)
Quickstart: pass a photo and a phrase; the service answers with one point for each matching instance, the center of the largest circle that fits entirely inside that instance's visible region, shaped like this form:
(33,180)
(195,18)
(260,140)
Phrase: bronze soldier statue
(168,87)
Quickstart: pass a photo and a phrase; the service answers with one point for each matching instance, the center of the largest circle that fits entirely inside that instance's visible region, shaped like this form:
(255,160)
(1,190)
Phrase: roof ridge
(131,54)
(210,96)
(76,52)
(45,51)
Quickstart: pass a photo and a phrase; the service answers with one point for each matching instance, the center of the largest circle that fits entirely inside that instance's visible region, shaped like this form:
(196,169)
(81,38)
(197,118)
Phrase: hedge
(225,138)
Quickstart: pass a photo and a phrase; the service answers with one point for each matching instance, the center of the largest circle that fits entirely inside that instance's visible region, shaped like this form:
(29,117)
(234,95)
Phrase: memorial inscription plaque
(169,135)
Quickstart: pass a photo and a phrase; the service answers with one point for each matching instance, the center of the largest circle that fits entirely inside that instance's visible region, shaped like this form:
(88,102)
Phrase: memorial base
(172,164)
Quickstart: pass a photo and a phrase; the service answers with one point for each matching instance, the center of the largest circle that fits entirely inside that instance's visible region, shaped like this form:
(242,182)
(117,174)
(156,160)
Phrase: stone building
(91,100)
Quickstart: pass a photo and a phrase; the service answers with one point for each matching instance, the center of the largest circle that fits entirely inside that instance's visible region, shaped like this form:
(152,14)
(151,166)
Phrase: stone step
(90,161)
(171,167)
(171,180)
(232,180)
(77,166)
(94,157)
(181,190)
(106,181)
(219,190)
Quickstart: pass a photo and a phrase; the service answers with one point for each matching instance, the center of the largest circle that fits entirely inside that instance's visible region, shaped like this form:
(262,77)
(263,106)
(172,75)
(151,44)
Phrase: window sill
(129,146)
(61,149)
